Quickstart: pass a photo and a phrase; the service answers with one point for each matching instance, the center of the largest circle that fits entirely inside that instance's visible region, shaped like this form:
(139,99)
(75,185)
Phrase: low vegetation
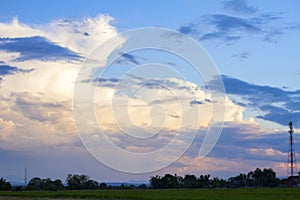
(151,194)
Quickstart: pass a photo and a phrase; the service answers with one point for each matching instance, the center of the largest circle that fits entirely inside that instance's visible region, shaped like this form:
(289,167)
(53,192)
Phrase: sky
(125,90)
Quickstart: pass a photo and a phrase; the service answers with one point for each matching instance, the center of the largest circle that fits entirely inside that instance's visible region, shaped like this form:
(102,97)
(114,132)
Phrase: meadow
(149,194)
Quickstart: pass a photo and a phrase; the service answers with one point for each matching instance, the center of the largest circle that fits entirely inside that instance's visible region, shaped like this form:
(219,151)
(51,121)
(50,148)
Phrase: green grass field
(201,194)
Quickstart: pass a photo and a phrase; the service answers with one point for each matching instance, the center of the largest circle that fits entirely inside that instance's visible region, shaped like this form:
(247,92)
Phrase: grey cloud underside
(280,106)
(140,82)
(271,103)
(36,48)
(195,102)
(245,142)
(10,70)
(35,108)
(236,143)
(151,84)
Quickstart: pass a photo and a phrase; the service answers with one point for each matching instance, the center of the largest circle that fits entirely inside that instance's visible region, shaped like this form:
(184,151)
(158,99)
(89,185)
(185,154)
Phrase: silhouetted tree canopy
(81,182)
(37,183)
(256,178)
(103,186)
(4,185)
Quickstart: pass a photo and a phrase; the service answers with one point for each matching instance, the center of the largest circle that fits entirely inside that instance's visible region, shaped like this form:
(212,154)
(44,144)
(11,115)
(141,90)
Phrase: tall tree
(4,185)
(263,178)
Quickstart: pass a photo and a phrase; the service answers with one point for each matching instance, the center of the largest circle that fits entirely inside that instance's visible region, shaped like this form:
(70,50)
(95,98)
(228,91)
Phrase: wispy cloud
(226,23)
(189,29)
(241,56)
(239,21)
(232,28)
(128,58)
(239,6)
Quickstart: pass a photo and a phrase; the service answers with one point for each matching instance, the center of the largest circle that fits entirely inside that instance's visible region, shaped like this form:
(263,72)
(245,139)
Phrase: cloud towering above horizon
(39,66)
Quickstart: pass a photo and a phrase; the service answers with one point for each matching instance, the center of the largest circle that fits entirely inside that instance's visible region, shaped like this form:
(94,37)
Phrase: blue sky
(43,46)
(240,58)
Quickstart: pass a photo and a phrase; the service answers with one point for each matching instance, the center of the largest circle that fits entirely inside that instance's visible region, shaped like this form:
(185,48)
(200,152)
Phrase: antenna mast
(25,178)
(292,157)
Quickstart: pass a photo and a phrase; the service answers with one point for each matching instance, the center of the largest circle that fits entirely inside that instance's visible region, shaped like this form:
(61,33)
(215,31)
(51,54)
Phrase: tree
(103,186)
(257,177)
(190,181)
(4,185)
(218,183)
(76,182)
(58,184)
(91,185)
(238,181)
(204,181)
(35,184)
(47,184)
(263,178)
(169,181)
(269,178)
(155,182)
(80,182)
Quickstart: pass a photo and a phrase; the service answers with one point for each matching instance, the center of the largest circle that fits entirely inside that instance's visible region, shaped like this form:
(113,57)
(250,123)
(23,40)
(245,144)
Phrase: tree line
(256,178)
(73,182)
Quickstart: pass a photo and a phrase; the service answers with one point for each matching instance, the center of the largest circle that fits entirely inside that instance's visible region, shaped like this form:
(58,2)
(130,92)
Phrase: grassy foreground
(186,194)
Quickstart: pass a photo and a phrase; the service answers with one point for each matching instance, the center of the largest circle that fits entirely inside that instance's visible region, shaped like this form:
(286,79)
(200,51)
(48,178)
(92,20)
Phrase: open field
(204,194)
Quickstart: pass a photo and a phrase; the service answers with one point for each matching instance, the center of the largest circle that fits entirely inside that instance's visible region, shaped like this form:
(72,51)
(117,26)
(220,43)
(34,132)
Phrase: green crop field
(204,194)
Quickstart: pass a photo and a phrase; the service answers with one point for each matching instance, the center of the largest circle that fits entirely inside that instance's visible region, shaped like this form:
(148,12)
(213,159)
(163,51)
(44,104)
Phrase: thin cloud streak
(239,7)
